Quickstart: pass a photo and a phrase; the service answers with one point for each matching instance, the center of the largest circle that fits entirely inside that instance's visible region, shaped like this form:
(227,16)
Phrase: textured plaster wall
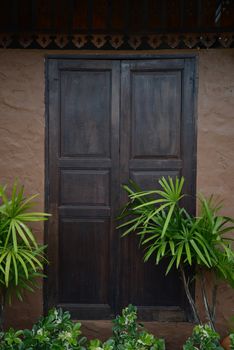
(22,143)
(22,121)
(215,153)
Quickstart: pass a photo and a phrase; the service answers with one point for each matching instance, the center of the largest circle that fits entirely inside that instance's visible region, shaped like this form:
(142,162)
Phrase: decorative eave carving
(118,42)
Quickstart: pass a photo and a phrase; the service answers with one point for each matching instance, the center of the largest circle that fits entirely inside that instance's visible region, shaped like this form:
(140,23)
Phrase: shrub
(53,332)
(203,338)
(129,335)
(11,340)
(57,332)
(231,336)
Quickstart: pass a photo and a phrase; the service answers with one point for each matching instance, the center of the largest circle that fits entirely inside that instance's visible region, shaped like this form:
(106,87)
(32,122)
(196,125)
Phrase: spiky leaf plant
(21,257)
(166,229)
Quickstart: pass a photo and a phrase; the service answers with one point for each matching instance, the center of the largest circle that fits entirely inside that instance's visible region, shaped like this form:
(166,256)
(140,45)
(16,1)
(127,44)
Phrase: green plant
(11,340)
(53,332)
(21,258)
(231,336)
(56,331)
(96,344)
(203,338)
(128,335)
(166,229)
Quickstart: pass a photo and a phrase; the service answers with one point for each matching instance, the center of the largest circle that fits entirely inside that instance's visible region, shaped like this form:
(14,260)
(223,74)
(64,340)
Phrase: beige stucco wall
(215,156)
(22,123)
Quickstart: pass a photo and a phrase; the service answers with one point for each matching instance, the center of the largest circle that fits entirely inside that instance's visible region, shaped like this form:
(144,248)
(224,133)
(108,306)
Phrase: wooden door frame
(114,56)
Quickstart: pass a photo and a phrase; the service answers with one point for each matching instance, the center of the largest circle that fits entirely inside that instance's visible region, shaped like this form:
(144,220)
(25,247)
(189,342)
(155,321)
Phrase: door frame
(115,56)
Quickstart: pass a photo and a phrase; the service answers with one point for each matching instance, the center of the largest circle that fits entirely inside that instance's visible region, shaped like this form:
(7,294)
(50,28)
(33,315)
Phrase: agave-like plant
(21,257)
(166,229)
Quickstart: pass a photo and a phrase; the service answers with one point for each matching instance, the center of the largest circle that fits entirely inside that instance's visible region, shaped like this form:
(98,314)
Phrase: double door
(108,121)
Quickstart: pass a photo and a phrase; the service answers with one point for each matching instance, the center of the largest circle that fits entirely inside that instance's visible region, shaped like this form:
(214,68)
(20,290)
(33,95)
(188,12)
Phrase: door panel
(85,187)
(78,260)
(93,147)
(85,126)
(155,113)
(155,120)
(83,175)
(149,179)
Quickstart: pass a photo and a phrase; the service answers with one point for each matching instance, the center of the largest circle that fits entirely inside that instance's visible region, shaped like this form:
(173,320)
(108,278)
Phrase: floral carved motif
(98,40)
(25,40)
(5,40)
(61,41)
(135,41)
(116,41)
(79,40)
(43,40)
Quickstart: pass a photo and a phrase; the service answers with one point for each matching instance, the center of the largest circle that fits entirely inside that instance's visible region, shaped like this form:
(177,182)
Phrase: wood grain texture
(111,120)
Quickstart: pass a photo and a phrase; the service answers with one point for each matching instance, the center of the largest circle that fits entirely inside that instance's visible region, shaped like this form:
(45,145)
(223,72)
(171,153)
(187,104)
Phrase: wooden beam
(70,4)
(14,15)
(199,14)
(90,16)
(34,14)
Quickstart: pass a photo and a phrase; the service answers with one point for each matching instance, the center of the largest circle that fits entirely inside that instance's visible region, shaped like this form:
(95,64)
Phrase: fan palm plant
(21,257)
(166,229)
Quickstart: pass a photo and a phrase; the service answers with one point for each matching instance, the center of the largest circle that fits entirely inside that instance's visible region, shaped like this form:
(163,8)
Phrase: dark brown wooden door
(157,139)
(109,120)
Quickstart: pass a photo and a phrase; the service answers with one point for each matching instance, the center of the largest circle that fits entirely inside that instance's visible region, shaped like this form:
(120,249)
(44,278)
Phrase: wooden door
(157,139)
(83,179)
(109,120)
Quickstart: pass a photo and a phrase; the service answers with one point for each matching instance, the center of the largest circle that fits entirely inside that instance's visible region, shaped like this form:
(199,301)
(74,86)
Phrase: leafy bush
(57,332)
(96,344)
(11,340)
(203,338)
(129,335)
(231,336)
(53,332)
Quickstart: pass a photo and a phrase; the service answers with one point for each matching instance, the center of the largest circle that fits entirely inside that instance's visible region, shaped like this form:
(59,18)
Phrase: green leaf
(178,255)
(15,269)
(7,268)
(150,252)
(26,204)
(155,201)
(199,252)
(3,254)
(169,215)
(127,223)
(170,264)
(188,253)
(14,238)
(28,232)
(202,244)
(28,259)
(32,258)
(21,234)
(172,247)
(22,263)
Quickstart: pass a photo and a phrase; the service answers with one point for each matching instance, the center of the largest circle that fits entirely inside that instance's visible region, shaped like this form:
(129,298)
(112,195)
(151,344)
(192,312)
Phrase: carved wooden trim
(79,40)
(117,42)
(43,41)
(5,40)
(98,40)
